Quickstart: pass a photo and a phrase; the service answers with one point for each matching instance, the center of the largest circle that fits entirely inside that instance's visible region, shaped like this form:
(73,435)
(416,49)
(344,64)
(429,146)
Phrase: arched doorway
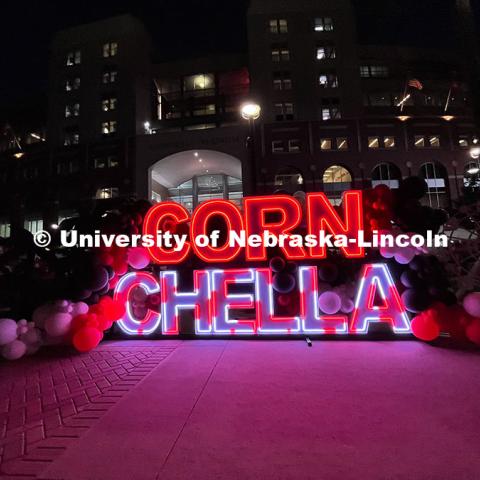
(289,179)
(336,180)
(194,176)
(436,178)
(386,174)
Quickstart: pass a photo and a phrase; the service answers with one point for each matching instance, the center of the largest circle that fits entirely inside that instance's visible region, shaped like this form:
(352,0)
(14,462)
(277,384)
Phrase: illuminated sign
(242,301)
(280,215)
(211,301)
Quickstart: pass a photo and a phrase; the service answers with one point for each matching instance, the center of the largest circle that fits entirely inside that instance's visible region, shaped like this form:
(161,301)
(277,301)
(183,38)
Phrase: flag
(415,83)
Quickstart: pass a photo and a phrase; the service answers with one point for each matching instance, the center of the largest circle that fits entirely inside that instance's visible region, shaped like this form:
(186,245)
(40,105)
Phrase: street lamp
(251,111)
(475,152)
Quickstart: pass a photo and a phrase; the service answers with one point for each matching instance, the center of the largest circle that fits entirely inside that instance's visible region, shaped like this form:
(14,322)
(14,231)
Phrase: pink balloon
(79,308)
(58,325)
(471,304)
(8,331)
(138,257)
(14,350)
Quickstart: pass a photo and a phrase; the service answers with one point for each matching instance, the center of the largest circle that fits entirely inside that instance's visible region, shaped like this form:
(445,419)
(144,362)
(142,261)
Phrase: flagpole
(402,103)
(449,97)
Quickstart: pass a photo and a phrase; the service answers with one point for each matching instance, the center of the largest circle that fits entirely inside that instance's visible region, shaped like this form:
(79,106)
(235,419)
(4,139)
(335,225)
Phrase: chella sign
(218,300)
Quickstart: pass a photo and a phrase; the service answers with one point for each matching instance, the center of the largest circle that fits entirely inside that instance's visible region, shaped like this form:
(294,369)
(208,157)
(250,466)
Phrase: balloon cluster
(402,255)
(18,339)
(87,328)
(461,322)
(425,283)
(378,205)
(55,319)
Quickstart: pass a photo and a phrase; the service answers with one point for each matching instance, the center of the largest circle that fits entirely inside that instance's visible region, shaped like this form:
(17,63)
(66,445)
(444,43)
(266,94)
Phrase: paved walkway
(214,409)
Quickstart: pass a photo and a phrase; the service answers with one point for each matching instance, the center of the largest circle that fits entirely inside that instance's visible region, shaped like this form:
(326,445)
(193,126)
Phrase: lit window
(72,84)
(331,113)
(389,142)
(204,110)
(33,225)
(342,143)
(278,146)
(109,104)
(71,138)
(109,76)
(99,163)
(434,141)
(373,142)
(419,141)
(108,128)
(283,111)
(280,54)
(73,58)
(112,161)
(202,84)
(5,229)
(278,26)
(110,49)
(109,162)
(328,80)
(331,109)
(282,81)
(323,24)
(374,71)
(326,53)
(326,144)
(294,146)
(105,193)
(72,110)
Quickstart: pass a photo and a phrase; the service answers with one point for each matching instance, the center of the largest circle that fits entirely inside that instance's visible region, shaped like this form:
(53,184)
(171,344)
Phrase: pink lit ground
(243,410)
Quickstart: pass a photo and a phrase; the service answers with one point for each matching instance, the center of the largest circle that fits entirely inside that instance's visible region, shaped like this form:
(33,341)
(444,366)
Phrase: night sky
(182,28)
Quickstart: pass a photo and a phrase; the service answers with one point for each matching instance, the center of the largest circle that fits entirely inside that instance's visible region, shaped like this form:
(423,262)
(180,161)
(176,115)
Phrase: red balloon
(105,258)
(425,327)
(79,321)
(113,282)
(120,267)
(86,339)
(473,331)
(112,309)
(284,300)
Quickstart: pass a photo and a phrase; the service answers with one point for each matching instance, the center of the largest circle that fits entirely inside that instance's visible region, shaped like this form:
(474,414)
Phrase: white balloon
(8,331)
(14,350)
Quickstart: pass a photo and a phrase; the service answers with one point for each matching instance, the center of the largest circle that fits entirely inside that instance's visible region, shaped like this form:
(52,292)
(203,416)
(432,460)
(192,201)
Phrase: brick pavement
(48,401)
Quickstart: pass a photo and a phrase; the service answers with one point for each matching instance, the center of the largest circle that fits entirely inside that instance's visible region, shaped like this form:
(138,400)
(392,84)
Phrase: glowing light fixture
(251,111)
(475,152)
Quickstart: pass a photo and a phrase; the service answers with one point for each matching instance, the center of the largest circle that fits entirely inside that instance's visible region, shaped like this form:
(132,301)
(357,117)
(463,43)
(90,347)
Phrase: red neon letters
(279,215)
